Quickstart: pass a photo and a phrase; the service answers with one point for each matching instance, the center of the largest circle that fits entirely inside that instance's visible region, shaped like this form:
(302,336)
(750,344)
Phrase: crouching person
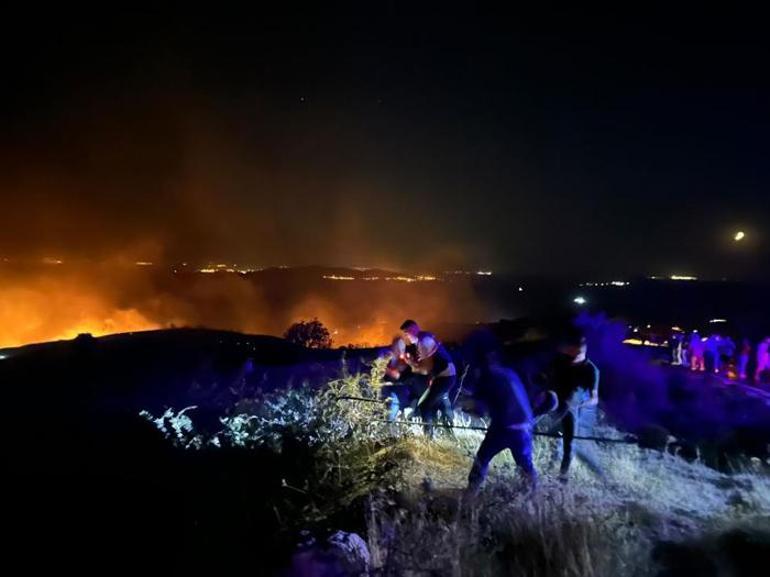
(404,387)
(501,390)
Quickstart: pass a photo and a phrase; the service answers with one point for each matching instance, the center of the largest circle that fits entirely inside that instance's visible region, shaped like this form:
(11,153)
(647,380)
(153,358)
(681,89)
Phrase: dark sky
(597,144)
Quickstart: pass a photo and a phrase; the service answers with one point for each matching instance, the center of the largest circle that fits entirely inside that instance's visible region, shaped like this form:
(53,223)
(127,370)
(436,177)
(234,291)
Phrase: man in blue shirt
(512,418)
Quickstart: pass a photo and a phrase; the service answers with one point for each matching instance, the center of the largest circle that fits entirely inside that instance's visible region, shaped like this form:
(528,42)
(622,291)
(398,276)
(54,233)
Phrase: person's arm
(392,370)
(594,399)
(422,366)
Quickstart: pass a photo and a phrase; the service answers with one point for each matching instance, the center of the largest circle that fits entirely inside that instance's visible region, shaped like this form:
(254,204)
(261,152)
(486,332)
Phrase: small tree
(309,334)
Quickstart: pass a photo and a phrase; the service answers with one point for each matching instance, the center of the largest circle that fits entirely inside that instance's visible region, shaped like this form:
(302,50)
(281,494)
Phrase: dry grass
(424,526)
(588,527)
(419,523)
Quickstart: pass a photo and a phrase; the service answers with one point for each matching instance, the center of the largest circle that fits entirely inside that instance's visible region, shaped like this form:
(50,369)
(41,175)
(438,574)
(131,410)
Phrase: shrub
(310,334)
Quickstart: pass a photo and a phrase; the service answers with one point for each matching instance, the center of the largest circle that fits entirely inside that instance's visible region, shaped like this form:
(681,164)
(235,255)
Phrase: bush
(309,334)
(332,452)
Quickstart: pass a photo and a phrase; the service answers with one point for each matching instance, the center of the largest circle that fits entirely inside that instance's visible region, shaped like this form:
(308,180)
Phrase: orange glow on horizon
(26,319)
(59,302)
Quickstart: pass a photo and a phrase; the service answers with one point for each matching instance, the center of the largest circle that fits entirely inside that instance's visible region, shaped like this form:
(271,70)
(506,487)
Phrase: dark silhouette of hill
(152,369)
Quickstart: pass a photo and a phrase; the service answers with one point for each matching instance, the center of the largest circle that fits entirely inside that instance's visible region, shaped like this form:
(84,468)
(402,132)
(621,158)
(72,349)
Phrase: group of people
(422,375)
(717,354)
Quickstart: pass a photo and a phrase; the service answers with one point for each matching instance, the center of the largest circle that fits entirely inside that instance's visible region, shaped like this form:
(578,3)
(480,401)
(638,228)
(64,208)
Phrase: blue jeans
(497,440)
(397,395)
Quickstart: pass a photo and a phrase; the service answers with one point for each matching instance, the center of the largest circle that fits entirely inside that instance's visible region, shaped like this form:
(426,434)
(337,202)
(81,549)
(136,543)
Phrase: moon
(739,236)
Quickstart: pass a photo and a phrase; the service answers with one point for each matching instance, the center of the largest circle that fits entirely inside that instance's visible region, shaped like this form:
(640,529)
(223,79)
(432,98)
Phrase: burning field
(55,299)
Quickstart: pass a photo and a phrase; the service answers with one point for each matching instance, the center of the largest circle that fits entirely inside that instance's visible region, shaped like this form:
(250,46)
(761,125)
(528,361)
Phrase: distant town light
(579,300)
(643,342)
(484,273)
(682,277)
(714,321)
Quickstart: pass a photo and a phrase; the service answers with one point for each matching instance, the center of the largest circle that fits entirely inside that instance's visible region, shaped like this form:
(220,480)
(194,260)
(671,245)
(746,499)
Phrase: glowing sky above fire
(423,140)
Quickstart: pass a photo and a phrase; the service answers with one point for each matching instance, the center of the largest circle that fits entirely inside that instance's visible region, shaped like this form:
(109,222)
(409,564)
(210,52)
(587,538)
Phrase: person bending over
(434,361)
(511,419)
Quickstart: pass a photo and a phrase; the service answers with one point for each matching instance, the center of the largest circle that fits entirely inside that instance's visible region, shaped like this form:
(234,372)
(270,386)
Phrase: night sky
(571,143)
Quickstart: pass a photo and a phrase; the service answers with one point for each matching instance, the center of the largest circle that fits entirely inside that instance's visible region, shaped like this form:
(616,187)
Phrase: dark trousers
(518,441)
(436,398)
(580,422)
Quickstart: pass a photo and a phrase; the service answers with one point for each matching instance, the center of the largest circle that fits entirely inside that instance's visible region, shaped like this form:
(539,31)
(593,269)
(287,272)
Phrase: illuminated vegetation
(406,493)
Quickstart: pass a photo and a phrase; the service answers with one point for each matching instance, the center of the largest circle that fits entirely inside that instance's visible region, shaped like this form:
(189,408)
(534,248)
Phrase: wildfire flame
(60,302)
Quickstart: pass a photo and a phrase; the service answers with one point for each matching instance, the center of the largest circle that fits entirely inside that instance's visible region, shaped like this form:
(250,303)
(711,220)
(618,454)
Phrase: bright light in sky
(739,235)
(579,300)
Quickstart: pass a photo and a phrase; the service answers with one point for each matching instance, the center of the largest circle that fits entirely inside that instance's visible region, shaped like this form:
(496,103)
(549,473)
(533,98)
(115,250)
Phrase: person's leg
(446,384)
(586,450)
(427,407)
(761,366)
(445,407)
(389,395)
(437,399)
(742,362)
(520,445)
(393,407)
(493,443)
(418,385)
(568,423)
